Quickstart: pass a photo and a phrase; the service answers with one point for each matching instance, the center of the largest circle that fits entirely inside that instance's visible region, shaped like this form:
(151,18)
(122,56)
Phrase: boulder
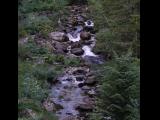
(51,106)
(80,71)
(84,106)
(80,77)
(58,106)
(60,48)
(74,21)
(91,93)
(59,36)
(90,80)
(89,74)
(85,35)
(86,88)
(80,85)
(77,51)
(48,105)
(27,113)
(88,42)
(76,44)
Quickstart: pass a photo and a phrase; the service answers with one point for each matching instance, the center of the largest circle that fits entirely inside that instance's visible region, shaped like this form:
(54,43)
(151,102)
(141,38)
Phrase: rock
(79,72)
(86,88)
(91,93)
(88,100)
(75,45)
(48,105)
(77,51)
(52,80)
(89,74)
(59,36)
(70,118)
(90,81)
(88,42)
(85,35)
(84,106)
(80,85)
(80,77)
(51,106)
(60,48)
(68,113)
(49,46)
(87,104)
(67,98)
(27,113)
(23,40)
(74,21)
(58,106)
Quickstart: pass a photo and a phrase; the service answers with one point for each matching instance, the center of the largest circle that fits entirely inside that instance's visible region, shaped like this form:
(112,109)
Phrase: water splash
(71,38)
(89,23)
(88,51)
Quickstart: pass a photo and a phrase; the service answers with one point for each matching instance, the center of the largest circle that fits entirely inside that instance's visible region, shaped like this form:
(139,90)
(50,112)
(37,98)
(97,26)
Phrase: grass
(119,90)
(32,21)
(118,25)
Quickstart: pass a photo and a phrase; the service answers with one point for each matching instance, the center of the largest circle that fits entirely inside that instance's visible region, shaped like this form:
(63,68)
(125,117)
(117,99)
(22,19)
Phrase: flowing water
(76,87)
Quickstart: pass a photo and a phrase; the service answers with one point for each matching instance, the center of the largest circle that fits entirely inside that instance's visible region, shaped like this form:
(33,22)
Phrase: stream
(73,95)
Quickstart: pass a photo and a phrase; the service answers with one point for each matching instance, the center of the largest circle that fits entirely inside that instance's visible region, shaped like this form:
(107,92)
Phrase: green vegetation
(33,76)
(120,95)
(33,86)
(36,16)
(117,22)
(118,26)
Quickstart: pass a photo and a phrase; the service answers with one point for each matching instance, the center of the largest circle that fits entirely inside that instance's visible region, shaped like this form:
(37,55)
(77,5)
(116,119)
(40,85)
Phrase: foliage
(38,16)
(37,109)
(120,90)
(32,85)
(28,6)
(31,50)
(118,22)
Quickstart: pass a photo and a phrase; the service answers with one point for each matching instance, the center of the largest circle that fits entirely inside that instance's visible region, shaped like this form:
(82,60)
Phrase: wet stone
(86,88)
(79,71)
(80,85)
(77,51)
(80,78)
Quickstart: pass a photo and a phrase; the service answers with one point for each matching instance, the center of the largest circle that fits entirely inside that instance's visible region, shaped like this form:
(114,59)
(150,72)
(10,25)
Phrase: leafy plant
(120,91)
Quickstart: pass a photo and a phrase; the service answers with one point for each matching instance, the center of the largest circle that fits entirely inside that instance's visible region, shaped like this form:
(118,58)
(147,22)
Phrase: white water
(88,52)
(71,38)
(87,25)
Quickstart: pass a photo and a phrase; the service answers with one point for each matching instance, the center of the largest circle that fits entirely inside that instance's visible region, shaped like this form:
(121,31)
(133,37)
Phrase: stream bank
(72,97)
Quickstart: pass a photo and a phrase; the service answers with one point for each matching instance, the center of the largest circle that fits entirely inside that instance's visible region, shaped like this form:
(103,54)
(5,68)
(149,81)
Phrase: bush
(31,50)
(28,6)
(72,62)
(121,18)
(120,91)
(28,85)
(31,21)
(32,88)
(37,109)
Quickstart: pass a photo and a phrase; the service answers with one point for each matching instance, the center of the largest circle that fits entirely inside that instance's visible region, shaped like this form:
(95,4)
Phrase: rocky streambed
(72,96)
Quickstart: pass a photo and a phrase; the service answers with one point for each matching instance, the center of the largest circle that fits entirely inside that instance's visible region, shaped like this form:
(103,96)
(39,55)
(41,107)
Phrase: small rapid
(72,96)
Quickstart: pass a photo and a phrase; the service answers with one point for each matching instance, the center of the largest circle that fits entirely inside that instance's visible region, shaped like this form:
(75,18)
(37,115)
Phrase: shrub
(36,107)
(120,91)
(121,18)
(28,6)
(71,61)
